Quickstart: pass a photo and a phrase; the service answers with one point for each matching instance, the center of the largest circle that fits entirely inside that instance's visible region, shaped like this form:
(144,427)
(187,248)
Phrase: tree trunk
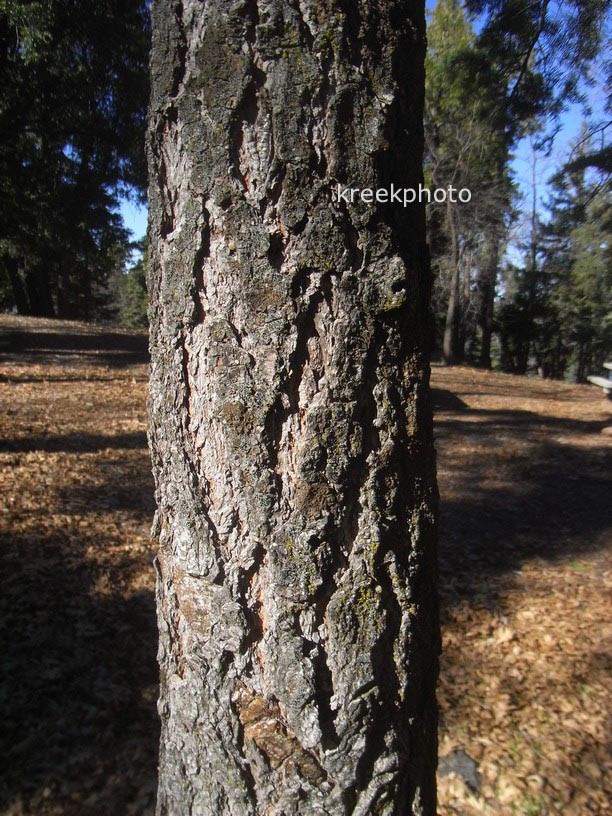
(38,288)
(451,347)
(290,420)
(19,294)
(487,280)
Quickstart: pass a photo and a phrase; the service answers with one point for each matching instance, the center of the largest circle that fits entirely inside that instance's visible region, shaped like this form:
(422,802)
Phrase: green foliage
(578,259)
(517,319)
(557,313)
(466,147)
(542,49)
(484,92)
(132,297)
(73,90)
(31,23)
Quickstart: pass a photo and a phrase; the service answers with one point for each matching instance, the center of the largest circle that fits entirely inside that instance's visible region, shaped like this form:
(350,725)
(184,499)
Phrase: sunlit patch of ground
(525,579)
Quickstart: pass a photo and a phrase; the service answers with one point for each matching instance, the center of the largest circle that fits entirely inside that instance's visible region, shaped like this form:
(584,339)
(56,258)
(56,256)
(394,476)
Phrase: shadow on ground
(75,443)
(79,684)
(113,349)
(516,485)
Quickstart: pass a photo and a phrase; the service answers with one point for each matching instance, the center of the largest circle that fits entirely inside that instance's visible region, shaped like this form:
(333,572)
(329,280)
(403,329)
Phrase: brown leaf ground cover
(525,592)
(524,567)
(77,640)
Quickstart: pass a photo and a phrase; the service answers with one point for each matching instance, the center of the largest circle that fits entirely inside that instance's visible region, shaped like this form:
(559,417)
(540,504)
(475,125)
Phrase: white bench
(603,382)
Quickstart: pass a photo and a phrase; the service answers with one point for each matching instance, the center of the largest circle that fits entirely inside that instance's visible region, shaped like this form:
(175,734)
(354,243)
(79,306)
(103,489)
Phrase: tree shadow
(52,378)
(445,400)
(79,683)
(112,349)
(516,486)
(80,675)
(75,443)
(132,494)
(78,633)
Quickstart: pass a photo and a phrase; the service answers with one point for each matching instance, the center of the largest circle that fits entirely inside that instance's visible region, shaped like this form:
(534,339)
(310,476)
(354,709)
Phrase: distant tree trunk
(486,284)
(290,418)
(38,288)
(20,297)
(452,349)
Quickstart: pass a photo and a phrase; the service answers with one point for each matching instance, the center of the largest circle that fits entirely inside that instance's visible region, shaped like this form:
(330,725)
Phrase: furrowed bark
(290,423)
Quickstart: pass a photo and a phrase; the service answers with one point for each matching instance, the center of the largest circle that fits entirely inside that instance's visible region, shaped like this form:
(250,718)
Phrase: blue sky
(135,218)
(570,126)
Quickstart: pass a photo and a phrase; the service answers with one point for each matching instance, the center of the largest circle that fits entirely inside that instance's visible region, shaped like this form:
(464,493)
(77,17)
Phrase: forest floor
(525,574)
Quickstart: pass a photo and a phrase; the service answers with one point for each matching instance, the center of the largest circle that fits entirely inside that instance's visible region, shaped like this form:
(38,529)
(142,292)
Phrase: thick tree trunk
(38,288)
(290,421)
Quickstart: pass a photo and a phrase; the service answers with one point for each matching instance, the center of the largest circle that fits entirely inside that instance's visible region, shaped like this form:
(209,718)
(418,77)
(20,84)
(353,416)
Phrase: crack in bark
(351,238)
(286,403)
(300,282)
(180,62)
(167,219)
(250,13)
(363,416)
(322,676)
(325,87)
(245,112)
(375,746)
(300,225)
(276,250)
(351,30)
(195,483)
(306,36)
(324,689)
(300,355)
(249,779)
(201,253)
(274,183)
(251,609)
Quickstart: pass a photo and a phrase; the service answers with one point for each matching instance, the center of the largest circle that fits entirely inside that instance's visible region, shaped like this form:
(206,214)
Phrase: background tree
(466,148)
(73,91)
(583,298)
(542,53)
(557,311)
(290,418)
(131,295)
(518,74)
(578,251)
